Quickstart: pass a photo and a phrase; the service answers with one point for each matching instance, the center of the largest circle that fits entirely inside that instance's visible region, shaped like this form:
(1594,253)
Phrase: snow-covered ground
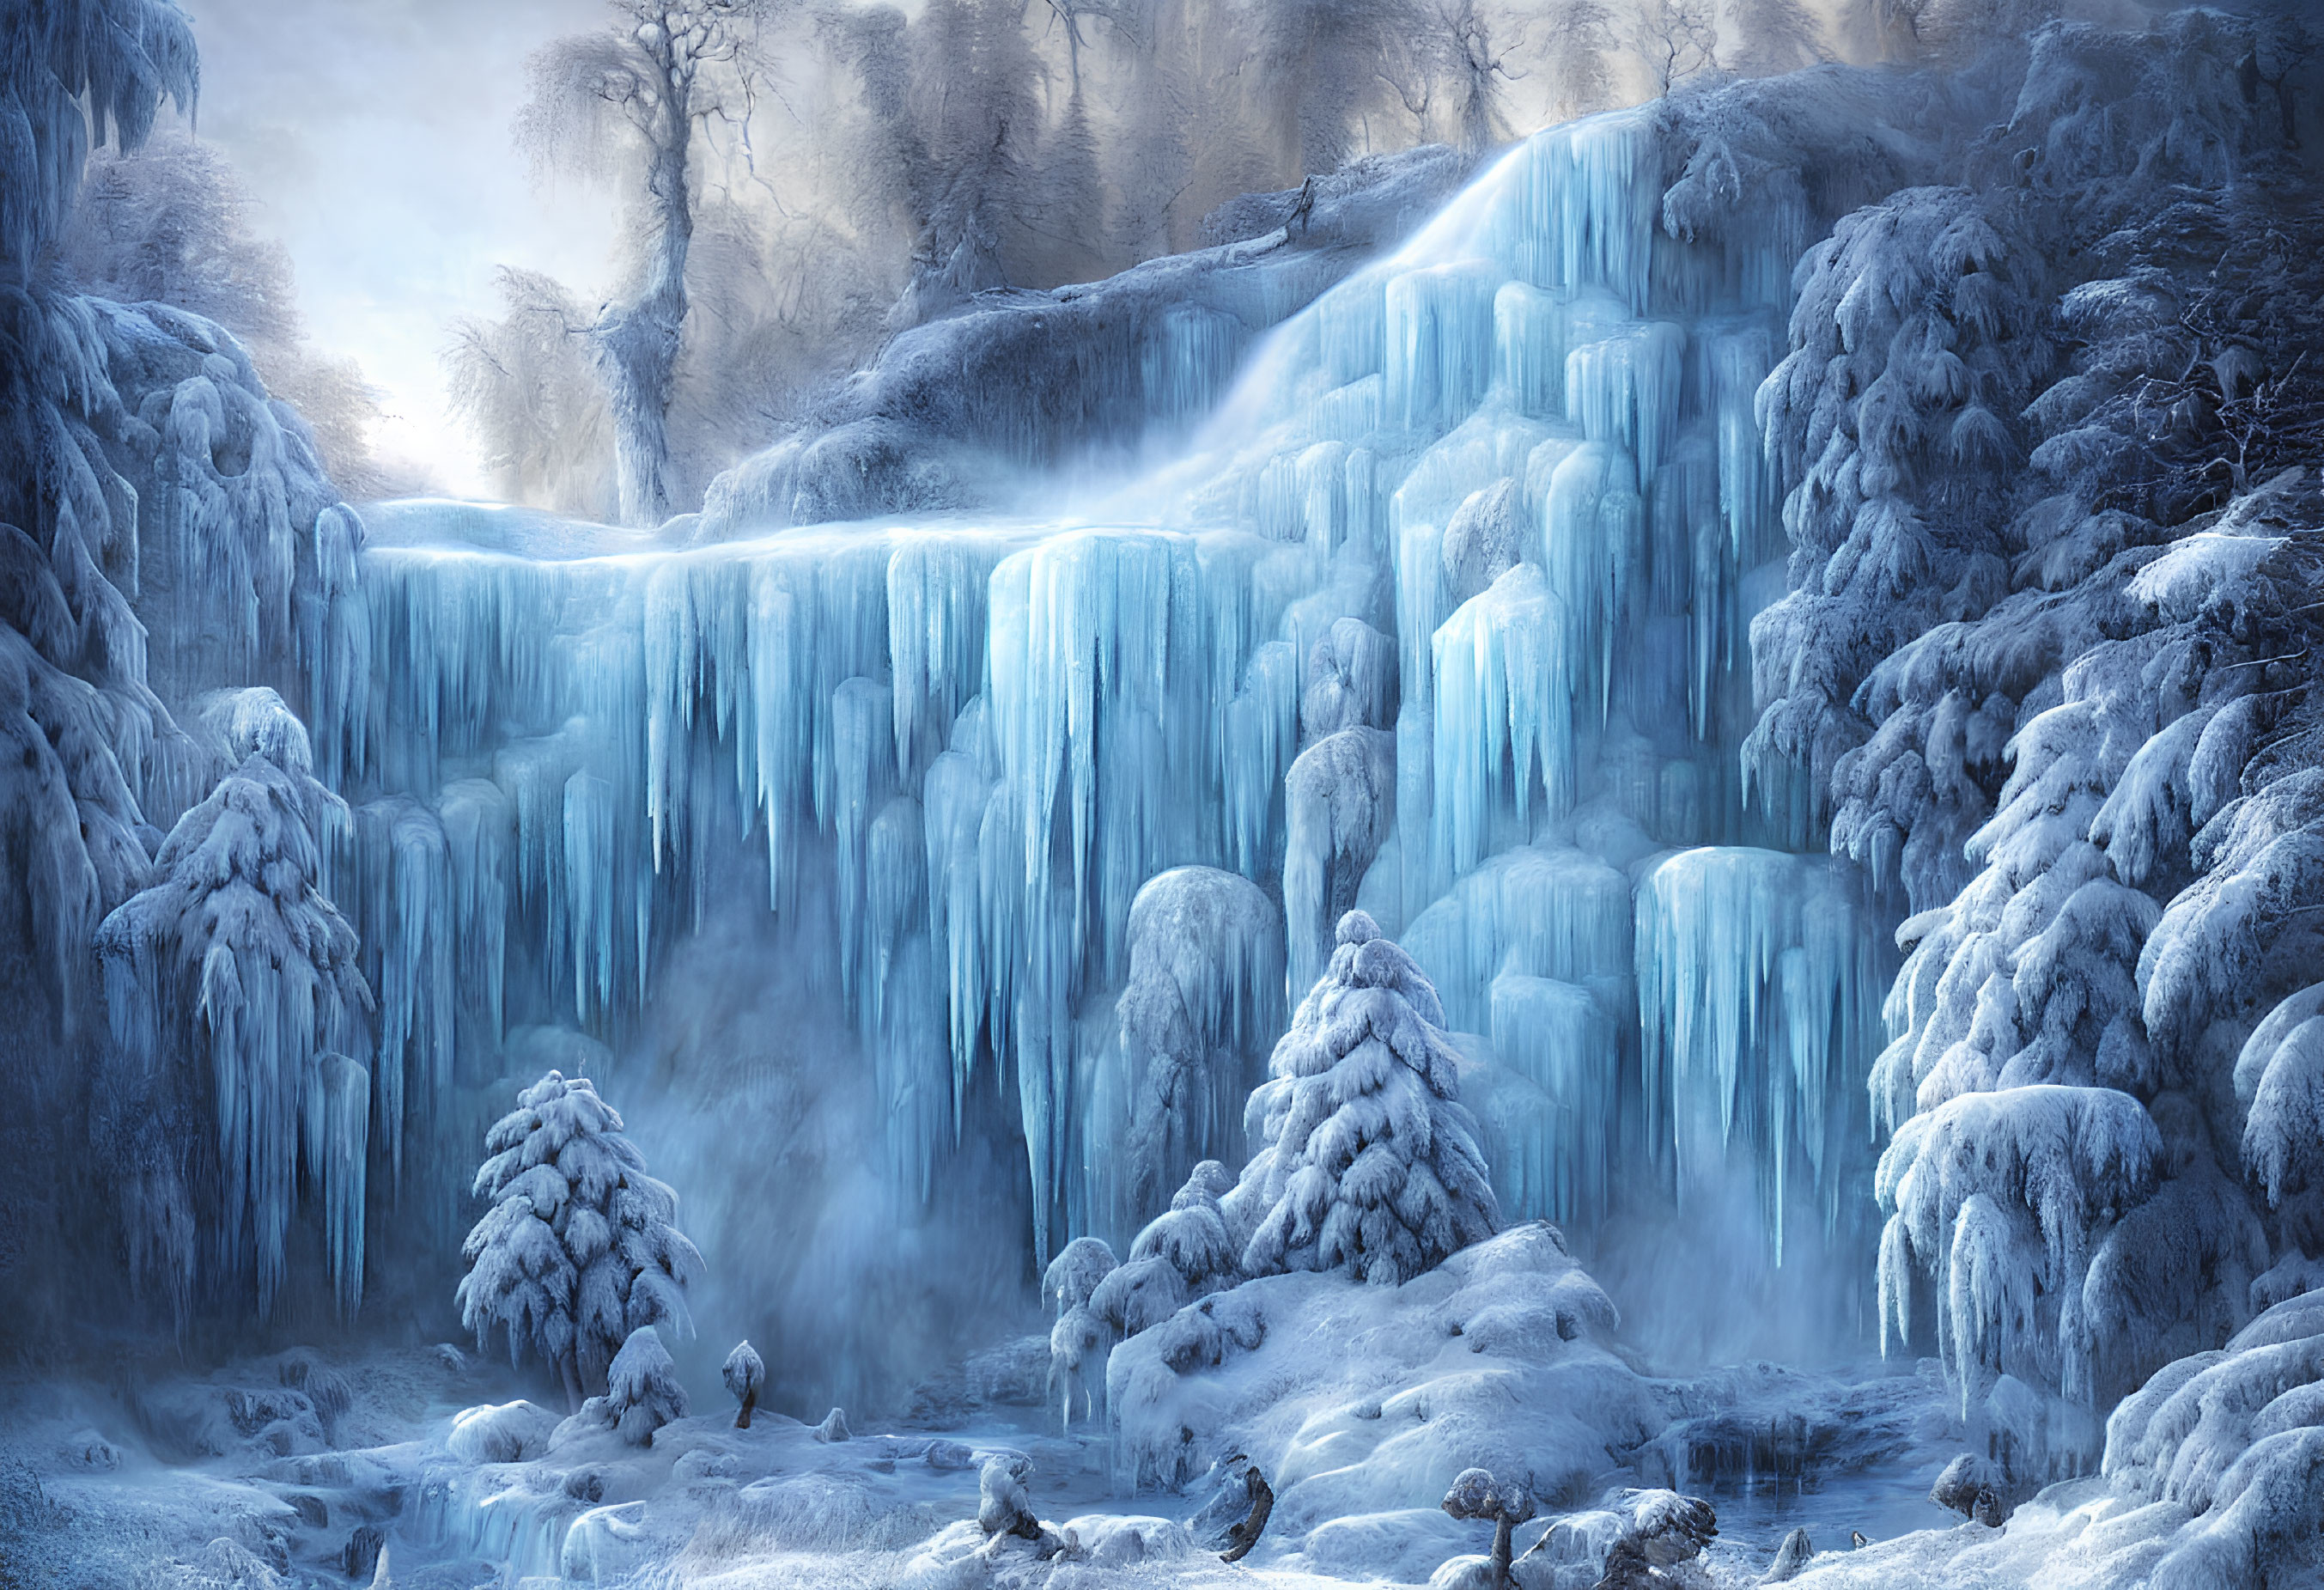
(296,1468)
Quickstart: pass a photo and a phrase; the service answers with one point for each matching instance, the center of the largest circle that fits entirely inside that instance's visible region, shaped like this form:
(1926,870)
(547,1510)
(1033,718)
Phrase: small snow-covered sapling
(643,1393)
(1476,1495)
(746,1372)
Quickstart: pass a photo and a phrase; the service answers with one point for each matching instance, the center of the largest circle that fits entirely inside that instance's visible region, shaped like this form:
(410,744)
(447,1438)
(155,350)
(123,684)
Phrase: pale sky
(374,135)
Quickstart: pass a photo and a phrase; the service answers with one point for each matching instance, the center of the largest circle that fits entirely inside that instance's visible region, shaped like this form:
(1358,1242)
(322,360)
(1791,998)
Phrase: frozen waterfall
(1443,610)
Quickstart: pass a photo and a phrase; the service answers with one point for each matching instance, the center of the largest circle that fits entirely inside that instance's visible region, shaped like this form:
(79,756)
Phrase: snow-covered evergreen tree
(1369,1161)
(642,1392)
(2061,713)
(233,992)
(578,1251)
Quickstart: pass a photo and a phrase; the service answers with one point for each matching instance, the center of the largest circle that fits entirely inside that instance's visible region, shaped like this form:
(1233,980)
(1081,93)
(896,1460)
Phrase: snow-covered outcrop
(1359,1400)
(955,411)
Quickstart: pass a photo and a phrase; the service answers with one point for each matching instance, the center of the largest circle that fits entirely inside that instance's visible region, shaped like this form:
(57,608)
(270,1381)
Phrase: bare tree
(1676,40)
(524,384)
(644,89)
(1475,71)
(1581,39)
(1321,61)
(1772,37)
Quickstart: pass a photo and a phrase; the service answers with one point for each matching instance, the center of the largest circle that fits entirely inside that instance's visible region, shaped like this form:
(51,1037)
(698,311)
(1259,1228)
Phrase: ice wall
(1444,609)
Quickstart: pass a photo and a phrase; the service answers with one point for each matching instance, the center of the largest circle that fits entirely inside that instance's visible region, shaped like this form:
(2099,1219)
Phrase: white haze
(374,134)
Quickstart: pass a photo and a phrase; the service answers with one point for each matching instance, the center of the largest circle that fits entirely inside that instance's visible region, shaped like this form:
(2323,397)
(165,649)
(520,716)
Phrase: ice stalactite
(409,942)
(1340,799)
(1757,981)
(235,963)
(339,1150)
(1560,1037)
(1504,700)
(1202,1005)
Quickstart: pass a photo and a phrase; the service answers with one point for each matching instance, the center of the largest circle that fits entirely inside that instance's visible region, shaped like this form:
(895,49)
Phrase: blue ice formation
(1443,610)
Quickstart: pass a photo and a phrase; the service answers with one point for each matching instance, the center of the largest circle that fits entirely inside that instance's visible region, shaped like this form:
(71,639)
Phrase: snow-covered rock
(1358,1400)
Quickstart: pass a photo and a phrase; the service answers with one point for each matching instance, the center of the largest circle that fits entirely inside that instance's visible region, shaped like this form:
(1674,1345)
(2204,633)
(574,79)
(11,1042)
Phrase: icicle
(588,890)
(1504,700)
(1440,344)
(342,1125)
(1561,1037)
(1756,981)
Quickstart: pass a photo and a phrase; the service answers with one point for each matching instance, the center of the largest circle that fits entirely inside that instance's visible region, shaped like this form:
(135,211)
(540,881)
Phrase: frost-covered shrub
(578,1253)
(506,1432)
(1192,1234)
(641,1388)
(744,1372)
(233,995)
(1369,1163)
(1081,1338)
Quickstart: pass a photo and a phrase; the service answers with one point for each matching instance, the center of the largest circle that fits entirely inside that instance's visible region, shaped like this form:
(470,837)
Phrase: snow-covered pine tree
(2115,730)
(233,992)
(579,1250)
(1369,1161)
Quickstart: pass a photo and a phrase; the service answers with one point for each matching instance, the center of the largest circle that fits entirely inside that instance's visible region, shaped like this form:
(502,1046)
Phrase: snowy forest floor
(295,1469)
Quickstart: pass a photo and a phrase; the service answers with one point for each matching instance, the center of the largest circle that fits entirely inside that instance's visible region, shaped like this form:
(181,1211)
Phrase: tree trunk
(571,1376)
(636,344)
(743,1419)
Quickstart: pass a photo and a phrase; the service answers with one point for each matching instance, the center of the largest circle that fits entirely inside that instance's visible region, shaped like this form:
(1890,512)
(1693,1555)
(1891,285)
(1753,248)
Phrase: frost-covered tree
(171,224)
(1772,36)
(1913,341)
(1370,1163)
(2065,719)
(525,386)
(641,92)
(233,995)
(1675,39)
(579,1250)
(1577,55)
(153,499)
(1476,69)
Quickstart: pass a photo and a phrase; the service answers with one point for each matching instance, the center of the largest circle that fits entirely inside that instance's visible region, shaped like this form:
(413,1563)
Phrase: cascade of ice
(1444,609)
(1758,986)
